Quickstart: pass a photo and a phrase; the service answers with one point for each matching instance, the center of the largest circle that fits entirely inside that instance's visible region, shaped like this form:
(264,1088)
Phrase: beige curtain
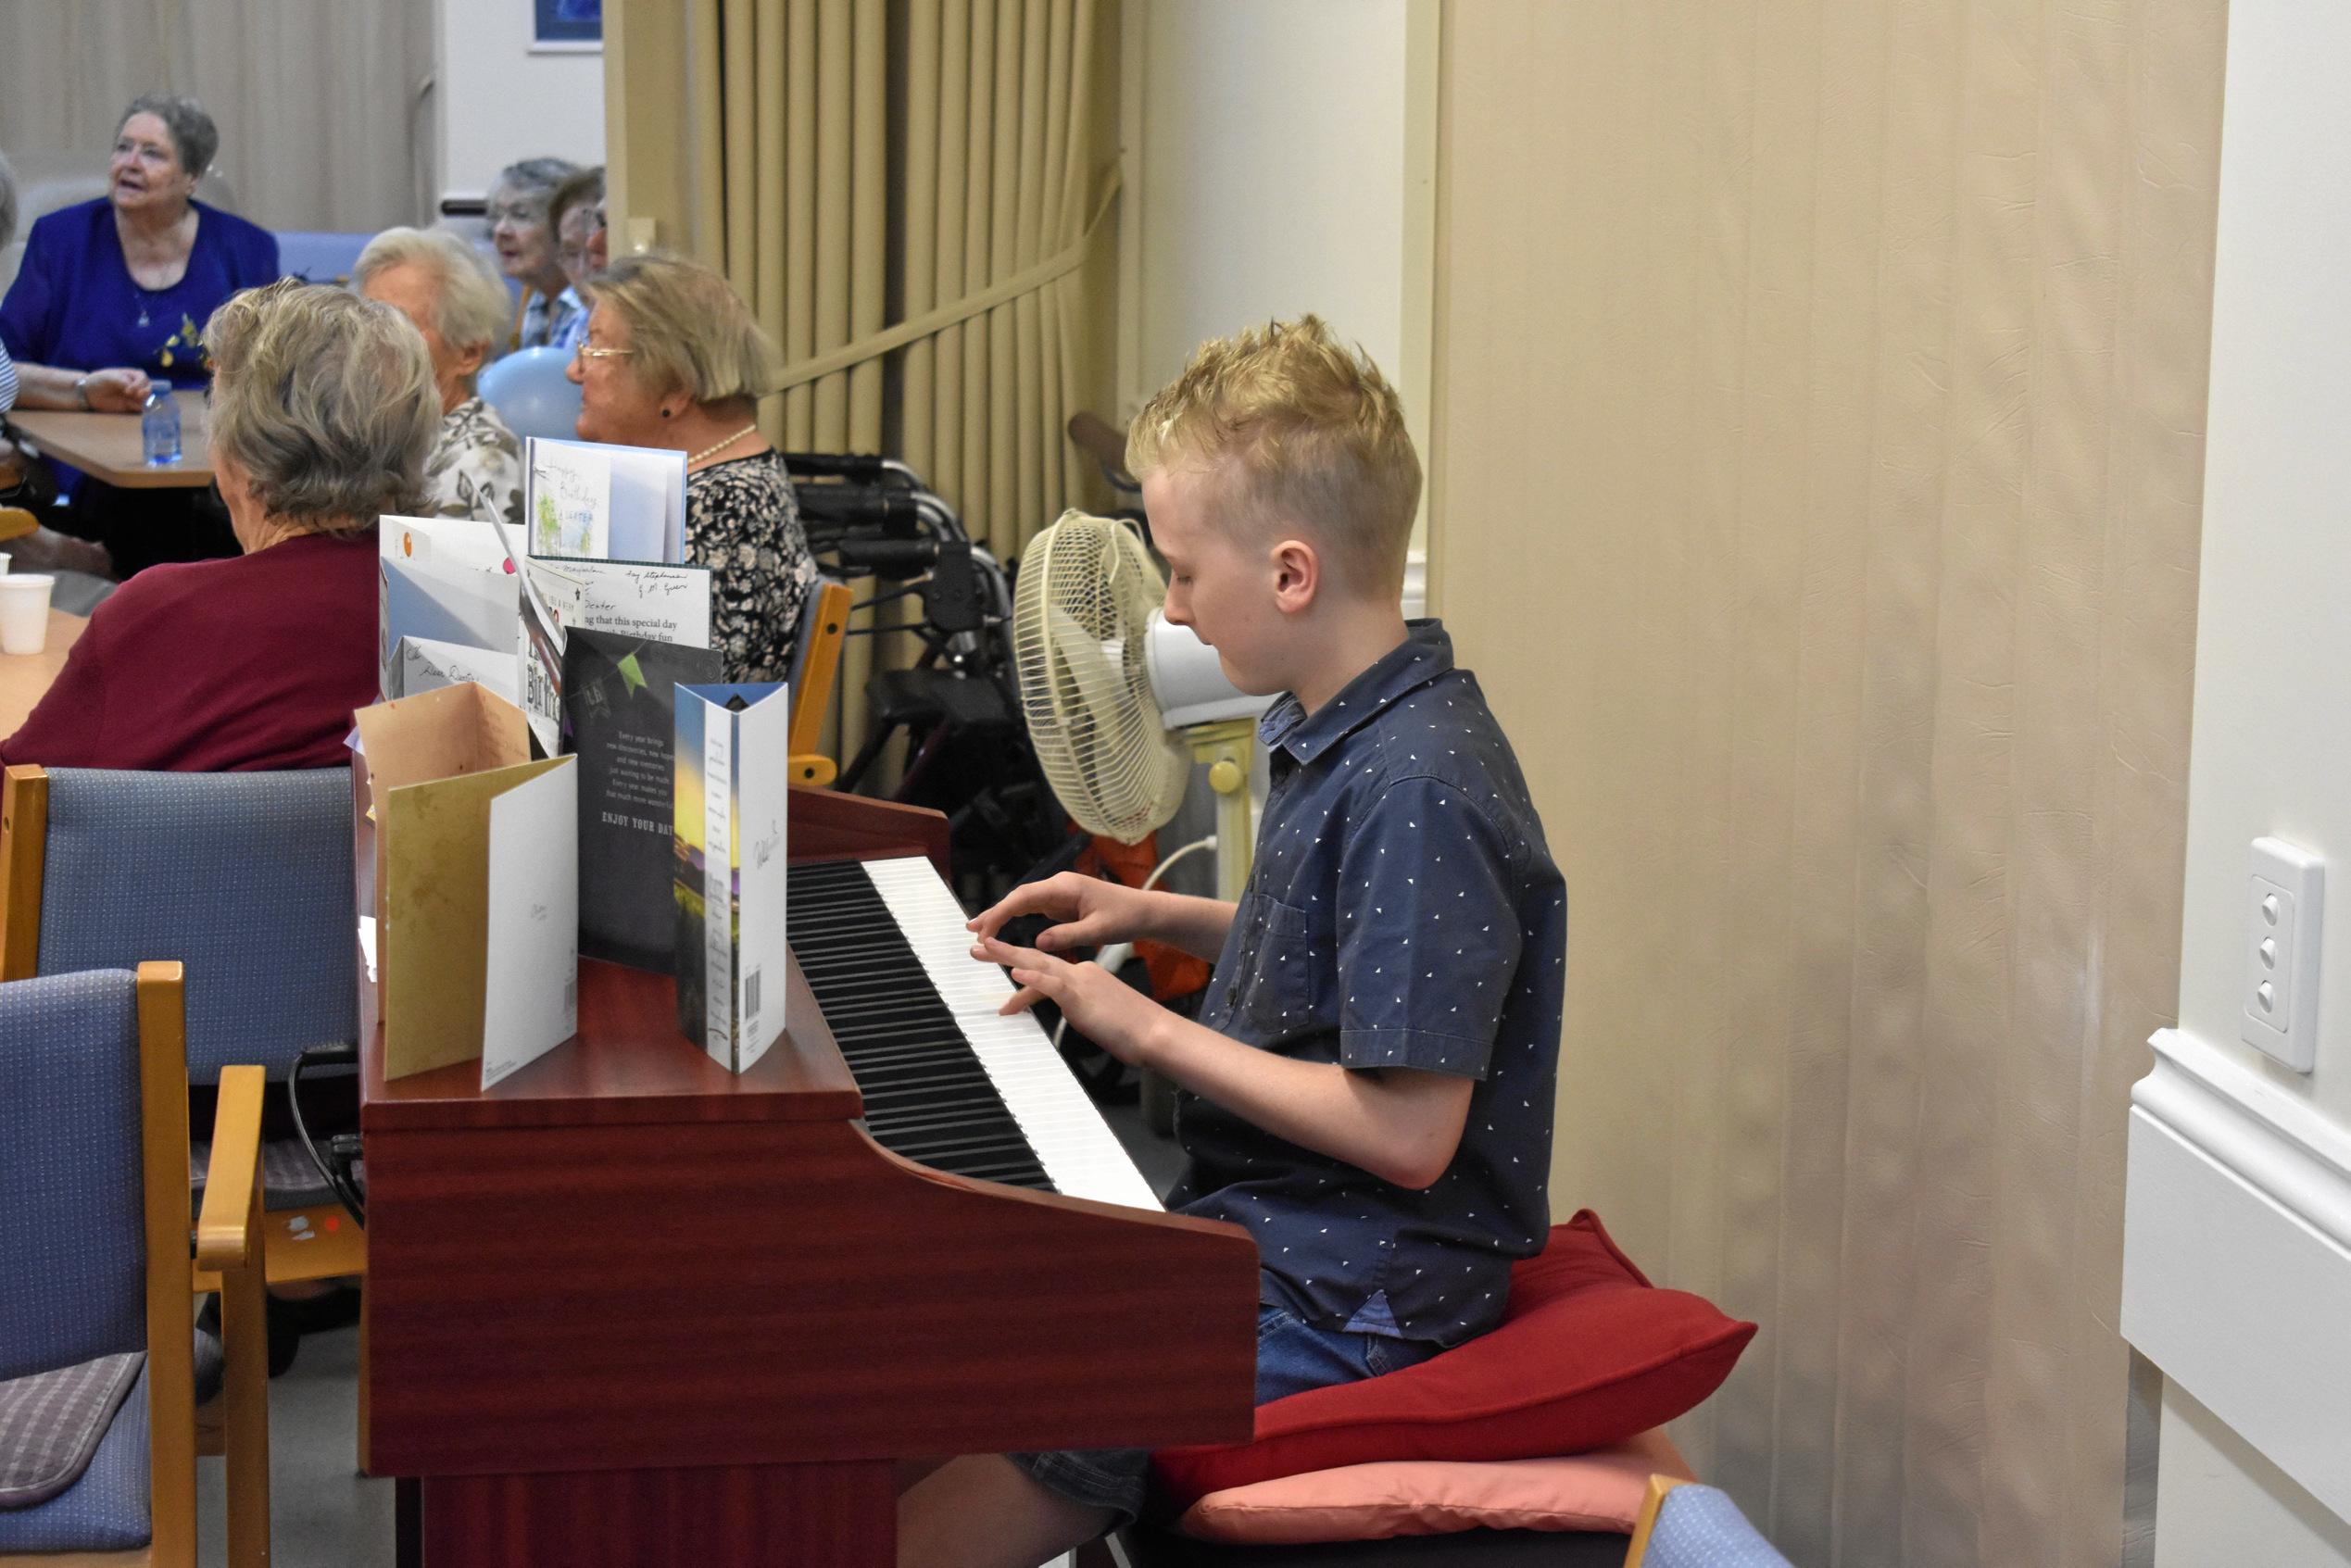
(1818,460)
(779,167)
(318,104)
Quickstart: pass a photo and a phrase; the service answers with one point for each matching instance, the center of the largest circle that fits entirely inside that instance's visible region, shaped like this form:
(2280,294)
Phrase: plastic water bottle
(159,424)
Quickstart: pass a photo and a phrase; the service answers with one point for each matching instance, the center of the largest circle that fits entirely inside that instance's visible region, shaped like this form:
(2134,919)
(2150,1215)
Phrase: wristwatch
(82,391)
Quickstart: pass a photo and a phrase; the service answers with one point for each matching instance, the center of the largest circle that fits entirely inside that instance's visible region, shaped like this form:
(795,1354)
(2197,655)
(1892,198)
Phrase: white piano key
(1079,1150)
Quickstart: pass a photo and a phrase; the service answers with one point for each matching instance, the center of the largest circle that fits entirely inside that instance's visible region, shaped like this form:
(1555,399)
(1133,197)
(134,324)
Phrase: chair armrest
(226,1238)
(1647,1523)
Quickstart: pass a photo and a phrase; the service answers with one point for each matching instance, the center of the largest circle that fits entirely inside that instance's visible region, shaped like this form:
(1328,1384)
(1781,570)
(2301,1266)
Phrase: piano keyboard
(947,1083)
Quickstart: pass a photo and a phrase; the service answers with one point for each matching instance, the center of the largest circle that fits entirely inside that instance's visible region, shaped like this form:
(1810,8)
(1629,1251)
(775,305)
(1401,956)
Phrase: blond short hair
(1305,430)
(325,401)
(471,302)
(688,328)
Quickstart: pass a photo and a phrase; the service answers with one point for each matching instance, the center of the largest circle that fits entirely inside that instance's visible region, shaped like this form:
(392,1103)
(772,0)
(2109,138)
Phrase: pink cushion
(1587,1353)
(1600,1490)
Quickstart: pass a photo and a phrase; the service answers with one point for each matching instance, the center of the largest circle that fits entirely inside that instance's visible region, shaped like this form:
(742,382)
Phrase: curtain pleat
(705,104)
(800,208)
(1005,170)
(925,54)
(869,174)
(979,184)
(944,391)
(1002,257)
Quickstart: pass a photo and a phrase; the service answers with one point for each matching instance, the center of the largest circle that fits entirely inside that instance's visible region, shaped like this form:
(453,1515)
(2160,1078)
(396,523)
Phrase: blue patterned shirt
(1404,910)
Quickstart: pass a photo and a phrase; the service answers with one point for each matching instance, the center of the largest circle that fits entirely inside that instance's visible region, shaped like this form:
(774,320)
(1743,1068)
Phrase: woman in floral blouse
(450,291)
(673,359)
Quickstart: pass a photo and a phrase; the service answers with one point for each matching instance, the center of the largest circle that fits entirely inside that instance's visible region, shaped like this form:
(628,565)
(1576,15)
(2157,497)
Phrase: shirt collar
(1424,653)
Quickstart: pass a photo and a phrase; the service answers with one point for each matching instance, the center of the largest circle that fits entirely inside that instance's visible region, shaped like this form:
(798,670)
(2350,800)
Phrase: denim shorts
(1292,1356)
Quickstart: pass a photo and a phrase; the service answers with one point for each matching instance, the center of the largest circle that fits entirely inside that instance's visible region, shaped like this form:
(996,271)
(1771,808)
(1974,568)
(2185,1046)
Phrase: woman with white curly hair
(443,286)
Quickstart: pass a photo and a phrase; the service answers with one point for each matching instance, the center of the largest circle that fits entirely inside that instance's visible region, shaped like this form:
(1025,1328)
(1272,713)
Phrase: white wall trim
(2237,1257)
(2274,1139)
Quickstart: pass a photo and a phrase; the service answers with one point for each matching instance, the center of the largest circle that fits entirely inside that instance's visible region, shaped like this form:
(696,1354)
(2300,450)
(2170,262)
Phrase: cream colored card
(531,986)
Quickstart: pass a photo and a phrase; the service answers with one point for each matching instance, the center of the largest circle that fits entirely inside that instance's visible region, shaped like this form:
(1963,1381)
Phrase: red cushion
(1587,1353)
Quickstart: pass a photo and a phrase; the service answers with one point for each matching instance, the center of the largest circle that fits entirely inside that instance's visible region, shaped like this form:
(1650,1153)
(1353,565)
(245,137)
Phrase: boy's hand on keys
(1097,1004)
(1088,912)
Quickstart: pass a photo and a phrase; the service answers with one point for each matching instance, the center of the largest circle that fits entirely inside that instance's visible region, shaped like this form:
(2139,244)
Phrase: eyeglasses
(584,351)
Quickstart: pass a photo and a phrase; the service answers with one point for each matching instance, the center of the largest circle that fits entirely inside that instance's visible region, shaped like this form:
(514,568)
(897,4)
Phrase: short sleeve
(1428,931)
(28,317)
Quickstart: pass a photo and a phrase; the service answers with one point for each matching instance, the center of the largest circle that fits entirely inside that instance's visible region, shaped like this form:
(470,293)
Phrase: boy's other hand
(1088,911)
(1097,1004)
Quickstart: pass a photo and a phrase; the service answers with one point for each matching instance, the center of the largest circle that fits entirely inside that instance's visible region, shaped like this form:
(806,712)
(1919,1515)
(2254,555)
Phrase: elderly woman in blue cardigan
(109,297)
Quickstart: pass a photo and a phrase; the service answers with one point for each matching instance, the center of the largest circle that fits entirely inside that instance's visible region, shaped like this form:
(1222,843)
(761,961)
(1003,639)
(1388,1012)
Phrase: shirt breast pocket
(1279,988)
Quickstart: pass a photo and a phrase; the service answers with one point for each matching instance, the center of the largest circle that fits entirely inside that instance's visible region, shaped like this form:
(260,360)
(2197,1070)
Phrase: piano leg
(840,1515)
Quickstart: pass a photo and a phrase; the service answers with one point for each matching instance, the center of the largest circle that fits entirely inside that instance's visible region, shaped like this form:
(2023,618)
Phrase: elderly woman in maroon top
(324,409)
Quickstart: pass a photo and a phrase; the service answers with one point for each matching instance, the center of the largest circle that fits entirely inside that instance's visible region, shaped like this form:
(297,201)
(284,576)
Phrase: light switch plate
(2284,900)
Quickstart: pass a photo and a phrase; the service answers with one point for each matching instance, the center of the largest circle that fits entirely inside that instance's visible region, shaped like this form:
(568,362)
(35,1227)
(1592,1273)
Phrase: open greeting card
(447,580)
(584,500)
(476,883)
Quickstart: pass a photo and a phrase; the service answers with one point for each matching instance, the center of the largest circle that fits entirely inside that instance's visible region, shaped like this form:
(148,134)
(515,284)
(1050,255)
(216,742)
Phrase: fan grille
(1087,591)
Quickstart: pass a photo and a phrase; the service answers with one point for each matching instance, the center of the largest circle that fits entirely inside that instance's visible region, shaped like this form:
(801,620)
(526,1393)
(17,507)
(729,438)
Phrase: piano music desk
(628,1308)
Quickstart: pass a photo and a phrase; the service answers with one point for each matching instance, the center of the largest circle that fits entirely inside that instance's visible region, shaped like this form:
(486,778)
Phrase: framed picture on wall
(560,26)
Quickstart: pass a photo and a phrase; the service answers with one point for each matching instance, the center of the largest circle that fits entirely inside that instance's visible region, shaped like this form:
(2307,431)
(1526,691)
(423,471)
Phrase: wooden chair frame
(1646,1522)
(318,1242)
(227,1242)
(827,620)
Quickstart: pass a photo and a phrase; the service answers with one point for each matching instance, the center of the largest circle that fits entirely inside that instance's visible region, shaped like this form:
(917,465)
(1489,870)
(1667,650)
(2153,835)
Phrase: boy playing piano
(1368,1089)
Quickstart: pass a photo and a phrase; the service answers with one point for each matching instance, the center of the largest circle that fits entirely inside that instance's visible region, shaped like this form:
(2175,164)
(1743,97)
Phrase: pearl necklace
(710,451)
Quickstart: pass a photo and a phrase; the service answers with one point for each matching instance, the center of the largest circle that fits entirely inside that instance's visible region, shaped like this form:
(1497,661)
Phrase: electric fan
(1120,704)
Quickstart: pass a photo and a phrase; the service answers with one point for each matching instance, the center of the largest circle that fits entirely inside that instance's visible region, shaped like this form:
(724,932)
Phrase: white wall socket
(2284,903)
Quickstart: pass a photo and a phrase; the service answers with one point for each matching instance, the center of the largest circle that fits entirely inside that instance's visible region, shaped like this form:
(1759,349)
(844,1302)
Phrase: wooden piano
(629,1309)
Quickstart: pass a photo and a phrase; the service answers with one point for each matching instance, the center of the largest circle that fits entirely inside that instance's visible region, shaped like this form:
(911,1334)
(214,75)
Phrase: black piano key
(927,1099)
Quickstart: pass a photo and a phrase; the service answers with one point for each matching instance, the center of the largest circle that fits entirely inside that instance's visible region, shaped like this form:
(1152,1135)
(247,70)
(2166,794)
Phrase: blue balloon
(532,394)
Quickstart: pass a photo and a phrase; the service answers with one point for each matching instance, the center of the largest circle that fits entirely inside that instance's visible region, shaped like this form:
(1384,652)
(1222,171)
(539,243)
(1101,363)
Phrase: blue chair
(99,1355)
(1686,1526)
(246,879)
(532,391)
(317,257)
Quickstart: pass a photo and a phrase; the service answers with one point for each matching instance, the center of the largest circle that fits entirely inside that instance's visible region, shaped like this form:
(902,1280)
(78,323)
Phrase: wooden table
(107,446)
(25,677)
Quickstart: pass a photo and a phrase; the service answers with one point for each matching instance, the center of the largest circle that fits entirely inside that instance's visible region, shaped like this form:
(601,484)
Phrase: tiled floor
(326,1515)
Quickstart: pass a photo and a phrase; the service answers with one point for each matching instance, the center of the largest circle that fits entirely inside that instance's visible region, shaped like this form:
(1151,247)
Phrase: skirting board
(2236,1268)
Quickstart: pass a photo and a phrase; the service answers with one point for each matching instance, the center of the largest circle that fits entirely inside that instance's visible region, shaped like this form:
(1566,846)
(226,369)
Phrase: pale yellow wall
(1818,453)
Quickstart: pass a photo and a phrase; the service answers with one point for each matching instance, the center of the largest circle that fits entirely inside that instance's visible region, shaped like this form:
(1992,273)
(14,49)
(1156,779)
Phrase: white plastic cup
(6,560)
(24,612)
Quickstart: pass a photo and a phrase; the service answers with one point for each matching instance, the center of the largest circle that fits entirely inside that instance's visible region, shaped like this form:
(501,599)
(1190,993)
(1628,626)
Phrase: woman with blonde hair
(323,408)
(452,295)
(672,358)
